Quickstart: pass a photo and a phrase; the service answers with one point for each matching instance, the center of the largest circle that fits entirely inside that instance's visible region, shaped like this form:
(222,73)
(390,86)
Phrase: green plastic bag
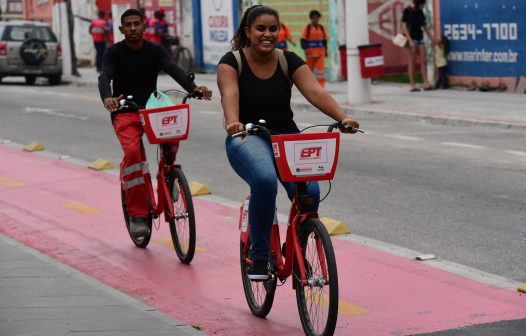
(158,99)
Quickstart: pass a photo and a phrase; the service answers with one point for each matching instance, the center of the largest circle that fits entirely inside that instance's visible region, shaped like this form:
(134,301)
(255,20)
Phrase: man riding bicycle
(133,65)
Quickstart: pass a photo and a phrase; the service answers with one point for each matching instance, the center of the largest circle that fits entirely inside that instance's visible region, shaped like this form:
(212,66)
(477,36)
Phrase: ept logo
(169,120)
(310,152)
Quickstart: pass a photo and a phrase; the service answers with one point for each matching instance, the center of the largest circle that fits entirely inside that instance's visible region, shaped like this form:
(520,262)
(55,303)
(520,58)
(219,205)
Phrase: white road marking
(463,145)
(514,152)
(404,137)
(51,112)
(207,112)
(55,93)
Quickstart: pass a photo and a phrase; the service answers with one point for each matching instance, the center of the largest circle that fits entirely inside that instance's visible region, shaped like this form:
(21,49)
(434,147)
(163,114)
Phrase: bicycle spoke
(318,299)
(182,227)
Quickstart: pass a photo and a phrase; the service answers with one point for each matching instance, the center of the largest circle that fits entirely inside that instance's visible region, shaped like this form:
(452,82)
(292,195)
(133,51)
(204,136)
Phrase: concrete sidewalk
(455,106)
(43,297)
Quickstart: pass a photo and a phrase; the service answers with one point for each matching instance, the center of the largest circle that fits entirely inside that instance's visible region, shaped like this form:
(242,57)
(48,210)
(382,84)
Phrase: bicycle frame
(163,194)
(298,215)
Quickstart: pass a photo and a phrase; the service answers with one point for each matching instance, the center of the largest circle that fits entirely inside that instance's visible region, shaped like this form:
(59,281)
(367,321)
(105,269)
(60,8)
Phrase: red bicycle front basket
(306,156)
(166,124)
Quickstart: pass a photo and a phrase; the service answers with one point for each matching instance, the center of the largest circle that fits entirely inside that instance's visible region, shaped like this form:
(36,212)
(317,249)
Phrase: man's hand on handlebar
(112,104)
(203,91)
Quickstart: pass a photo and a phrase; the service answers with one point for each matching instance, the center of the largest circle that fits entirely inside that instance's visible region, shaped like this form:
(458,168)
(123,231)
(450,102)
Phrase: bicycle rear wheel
(184,59)
(259,294)
(318,299)
(141,242)
(182,229)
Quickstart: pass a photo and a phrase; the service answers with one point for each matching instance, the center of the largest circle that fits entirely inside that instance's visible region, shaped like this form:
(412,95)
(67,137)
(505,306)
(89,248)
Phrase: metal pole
(359,89)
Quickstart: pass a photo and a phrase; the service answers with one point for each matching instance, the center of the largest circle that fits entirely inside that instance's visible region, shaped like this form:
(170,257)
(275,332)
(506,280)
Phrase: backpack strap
(284,65)
(239,63)
(282,60)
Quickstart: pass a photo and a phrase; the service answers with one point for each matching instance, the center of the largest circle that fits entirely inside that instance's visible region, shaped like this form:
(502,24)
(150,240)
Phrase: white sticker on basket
(310,157)
(169,124)
(244,216)
(275,148)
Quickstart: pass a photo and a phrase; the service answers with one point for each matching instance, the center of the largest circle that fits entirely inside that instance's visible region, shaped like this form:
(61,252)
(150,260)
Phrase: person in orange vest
(154,31)
(283,37)
(99,34)
(314,42)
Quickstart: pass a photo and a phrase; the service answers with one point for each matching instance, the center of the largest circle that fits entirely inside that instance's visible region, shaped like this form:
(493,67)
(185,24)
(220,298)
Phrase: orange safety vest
(98,30)
(316,39)
(284,34)
(149,33)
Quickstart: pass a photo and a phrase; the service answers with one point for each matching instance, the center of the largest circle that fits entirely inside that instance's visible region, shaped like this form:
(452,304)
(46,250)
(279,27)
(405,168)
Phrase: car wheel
(33,51)
(55,79)
(30,80)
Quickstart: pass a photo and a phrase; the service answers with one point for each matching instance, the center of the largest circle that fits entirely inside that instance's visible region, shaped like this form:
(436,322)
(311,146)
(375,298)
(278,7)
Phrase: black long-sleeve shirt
(134,72)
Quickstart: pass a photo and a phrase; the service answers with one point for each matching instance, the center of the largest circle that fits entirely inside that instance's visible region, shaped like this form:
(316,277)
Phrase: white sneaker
(139,227)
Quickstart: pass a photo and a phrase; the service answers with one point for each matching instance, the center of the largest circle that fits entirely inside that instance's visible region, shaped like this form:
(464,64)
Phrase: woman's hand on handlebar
(352,124)
(112,104)
(234,128)
(203,91)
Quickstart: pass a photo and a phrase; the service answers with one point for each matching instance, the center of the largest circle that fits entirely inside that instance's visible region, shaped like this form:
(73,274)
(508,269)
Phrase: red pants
(317,65)
(134,166)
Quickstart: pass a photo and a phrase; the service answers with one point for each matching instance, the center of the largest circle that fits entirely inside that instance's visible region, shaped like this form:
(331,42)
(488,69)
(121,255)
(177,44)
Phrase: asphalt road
(456,192)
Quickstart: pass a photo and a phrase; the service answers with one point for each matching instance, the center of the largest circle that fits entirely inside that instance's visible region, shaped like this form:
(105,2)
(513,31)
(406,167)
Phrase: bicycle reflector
(306,156)
(166,124)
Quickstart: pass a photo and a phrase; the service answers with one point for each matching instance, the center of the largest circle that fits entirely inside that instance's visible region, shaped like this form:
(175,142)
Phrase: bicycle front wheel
(259,294)
(184,59)
(182,228)
(318,299)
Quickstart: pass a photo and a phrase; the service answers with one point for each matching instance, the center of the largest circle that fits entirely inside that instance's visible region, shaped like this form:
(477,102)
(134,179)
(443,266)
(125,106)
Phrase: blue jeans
(252,159)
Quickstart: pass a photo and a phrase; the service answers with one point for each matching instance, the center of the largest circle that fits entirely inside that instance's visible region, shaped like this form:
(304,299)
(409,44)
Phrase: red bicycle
(307,253)
(174,199)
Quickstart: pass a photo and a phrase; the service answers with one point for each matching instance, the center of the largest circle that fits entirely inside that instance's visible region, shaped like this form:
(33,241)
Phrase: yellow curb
(81,208)
(522,288)
(198,189)
(34,147)
(9,182)
(100,164)
(335,227)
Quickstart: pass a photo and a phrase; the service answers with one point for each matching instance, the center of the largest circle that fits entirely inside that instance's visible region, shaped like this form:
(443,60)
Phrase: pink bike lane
(73,214)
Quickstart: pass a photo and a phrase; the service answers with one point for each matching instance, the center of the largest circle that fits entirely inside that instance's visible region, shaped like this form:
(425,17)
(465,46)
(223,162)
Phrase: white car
(30,49)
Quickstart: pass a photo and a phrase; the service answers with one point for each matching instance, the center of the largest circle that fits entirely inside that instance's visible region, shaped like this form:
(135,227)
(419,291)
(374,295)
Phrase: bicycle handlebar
(128,105)
(251,129)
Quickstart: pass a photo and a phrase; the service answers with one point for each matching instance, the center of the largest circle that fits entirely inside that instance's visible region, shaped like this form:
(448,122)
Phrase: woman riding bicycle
(263,91)
(133,64)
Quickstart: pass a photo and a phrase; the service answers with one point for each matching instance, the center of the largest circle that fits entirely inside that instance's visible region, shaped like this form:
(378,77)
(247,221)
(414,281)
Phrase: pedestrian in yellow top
(314,42)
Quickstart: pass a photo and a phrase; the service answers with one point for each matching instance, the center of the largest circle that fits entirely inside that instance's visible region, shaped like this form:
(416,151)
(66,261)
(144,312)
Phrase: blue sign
(487,37)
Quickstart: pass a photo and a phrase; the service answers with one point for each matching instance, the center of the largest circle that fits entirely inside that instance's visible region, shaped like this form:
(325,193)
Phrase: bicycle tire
(318,308)
(182,228)
(184,59)
(141,242)
(259,294)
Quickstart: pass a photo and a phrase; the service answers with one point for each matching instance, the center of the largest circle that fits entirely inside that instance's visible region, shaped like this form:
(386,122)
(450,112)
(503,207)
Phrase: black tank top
(267,99)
